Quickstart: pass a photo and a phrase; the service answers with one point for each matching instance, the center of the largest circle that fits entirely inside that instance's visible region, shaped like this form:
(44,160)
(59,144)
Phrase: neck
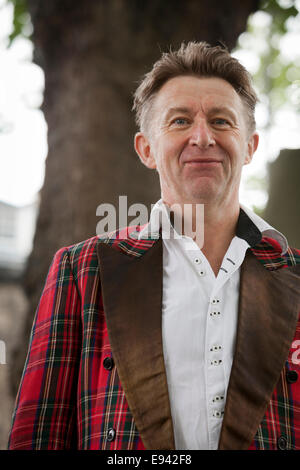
(219,230)
(211,227)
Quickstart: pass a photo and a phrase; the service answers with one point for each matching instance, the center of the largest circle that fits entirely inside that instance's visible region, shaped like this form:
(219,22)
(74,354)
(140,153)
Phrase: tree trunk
(93,53)
(284,194)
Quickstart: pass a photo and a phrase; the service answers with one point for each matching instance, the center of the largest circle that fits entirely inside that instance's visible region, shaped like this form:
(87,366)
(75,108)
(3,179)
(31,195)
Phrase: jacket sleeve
(45,408)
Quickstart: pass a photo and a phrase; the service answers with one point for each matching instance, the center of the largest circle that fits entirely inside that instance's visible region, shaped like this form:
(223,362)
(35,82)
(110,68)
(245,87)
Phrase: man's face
(198,141)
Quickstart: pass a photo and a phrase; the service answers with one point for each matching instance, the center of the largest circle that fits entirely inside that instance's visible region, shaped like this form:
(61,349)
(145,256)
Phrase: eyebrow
(214,110)
(223,109)
(176,110)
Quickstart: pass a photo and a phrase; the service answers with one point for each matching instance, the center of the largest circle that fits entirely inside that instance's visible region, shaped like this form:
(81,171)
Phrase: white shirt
(199,324)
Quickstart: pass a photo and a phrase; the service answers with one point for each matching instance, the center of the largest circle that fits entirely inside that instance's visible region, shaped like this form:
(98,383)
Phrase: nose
(202,135)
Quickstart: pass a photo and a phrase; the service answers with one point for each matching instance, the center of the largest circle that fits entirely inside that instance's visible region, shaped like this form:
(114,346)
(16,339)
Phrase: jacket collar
(136,240)
(250,226)
(266,230)
(131,280)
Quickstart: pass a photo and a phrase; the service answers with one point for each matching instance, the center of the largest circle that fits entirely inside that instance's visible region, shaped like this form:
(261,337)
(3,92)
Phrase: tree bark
(283,205)
(93,52)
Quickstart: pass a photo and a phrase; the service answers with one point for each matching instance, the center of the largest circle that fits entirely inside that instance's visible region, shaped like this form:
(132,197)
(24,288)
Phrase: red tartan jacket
(94,376)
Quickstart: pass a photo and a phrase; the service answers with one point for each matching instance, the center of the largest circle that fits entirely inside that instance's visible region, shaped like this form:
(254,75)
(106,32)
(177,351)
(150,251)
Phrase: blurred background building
(17,225)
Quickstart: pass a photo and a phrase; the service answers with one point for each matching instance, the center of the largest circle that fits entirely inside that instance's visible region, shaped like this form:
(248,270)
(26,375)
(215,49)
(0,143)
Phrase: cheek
(237,149)
(167,151)
(164,155)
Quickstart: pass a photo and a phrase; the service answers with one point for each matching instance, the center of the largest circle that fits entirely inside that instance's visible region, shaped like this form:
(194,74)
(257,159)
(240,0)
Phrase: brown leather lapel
(268,313)
(132,297)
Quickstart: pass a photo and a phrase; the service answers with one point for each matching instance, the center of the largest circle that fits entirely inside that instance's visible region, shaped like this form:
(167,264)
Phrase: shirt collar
(266,229)
(250,226)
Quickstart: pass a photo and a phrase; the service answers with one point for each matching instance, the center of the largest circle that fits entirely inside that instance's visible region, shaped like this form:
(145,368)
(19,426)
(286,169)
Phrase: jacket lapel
(131,278)
(268,312)
(132,298)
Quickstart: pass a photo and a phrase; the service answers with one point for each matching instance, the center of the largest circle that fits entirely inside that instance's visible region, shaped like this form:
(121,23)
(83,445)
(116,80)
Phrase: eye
(221,122)
(180,121)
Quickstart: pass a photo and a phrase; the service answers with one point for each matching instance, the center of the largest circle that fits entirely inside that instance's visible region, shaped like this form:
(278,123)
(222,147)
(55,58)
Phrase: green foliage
(276,77)
(279,13)
(21,19)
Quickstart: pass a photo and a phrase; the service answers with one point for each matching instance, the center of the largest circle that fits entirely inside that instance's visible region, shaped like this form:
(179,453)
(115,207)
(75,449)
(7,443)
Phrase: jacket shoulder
(89,246)
(269,252)
(84,253)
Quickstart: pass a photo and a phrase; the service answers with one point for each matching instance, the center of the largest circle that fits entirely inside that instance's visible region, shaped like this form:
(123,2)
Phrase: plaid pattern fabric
(68,399)
(282,417)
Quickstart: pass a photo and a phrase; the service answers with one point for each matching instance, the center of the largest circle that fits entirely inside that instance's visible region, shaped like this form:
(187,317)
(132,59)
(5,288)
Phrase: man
(147,341)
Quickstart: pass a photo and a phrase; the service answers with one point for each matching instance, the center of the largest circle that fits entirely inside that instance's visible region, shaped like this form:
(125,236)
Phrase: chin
(202,193)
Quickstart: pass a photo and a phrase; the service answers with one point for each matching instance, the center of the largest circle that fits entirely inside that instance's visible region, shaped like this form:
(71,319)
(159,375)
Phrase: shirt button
(216,362)
(215,301)
(215,313)
(218,414)
(108,363)
(282,443)
(216,348)
(218,398)
(202,272)
(197,260)
(292,376)
(111,434)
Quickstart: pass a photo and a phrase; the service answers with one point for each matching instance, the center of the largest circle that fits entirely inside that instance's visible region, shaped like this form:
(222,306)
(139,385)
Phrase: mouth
(207,162)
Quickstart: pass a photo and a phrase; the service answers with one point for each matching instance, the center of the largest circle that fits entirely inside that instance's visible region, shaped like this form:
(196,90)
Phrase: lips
(202,161)
(194,156)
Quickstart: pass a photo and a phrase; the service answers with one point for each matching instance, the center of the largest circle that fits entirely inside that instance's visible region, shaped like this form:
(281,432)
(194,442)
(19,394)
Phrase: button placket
(215,311)
(198,263)
(215,361)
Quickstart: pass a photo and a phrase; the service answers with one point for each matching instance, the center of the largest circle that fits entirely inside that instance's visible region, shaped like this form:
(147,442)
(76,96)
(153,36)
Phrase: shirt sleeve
(45,408)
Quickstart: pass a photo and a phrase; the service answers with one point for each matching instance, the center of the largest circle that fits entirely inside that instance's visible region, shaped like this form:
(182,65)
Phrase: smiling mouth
(203,162)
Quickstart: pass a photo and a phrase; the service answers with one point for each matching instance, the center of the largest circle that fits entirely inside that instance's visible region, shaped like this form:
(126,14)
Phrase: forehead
(195,92)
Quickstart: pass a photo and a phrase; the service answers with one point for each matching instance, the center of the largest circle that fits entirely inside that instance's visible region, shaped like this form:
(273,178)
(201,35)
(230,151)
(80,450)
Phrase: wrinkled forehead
(195,93)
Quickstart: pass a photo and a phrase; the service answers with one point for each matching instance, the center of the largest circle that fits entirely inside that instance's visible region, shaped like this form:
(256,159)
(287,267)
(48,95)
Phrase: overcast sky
(23,142)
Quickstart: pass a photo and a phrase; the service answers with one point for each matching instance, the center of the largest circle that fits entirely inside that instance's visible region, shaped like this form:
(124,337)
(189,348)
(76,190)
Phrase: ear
(251,147)
(143,149)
